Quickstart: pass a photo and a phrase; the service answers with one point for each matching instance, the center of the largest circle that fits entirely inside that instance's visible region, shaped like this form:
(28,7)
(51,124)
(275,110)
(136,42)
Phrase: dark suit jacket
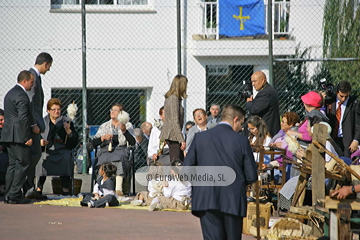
(350,123)
(266,106)
(36,96)
(140,154)
(17,113)
(221,146)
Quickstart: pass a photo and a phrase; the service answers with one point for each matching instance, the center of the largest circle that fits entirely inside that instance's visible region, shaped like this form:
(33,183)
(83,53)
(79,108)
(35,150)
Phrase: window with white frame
(101,2)
(94,6)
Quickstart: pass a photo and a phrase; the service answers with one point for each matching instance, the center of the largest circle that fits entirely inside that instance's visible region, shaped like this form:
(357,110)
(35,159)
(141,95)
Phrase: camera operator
(344,115)
(265,104)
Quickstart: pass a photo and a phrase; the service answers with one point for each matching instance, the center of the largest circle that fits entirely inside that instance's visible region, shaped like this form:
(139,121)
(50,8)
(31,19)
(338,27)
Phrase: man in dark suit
(43,63)
(265,104)
(345,132)
(221,208)
(17,134)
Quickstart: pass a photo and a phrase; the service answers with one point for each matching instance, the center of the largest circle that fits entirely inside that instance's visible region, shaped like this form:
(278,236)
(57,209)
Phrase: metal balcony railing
(281,18)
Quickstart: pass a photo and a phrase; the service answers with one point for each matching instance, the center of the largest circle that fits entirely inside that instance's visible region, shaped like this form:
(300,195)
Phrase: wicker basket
(273,237)
(289,227)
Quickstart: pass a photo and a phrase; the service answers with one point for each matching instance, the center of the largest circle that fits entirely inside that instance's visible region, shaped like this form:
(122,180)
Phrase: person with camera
(265,104)
(344,115)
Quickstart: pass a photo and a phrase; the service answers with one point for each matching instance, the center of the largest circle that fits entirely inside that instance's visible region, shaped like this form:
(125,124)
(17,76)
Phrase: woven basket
(289,227)
(300,238)
(273,237)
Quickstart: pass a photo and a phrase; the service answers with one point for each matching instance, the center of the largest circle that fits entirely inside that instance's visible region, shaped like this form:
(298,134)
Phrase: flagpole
(270,34)
(84,97)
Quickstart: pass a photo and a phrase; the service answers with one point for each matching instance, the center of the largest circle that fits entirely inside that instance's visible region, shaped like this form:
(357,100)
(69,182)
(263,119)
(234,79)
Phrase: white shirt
(153,190)
(178,189)
(343,107)
(330,148)
(266,143)
(154,142)
(105,190)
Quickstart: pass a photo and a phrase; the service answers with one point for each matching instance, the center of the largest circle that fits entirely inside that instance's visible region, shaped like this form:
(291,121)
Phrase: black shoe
(23,201)
(31,195)
(19,201)
(39,196)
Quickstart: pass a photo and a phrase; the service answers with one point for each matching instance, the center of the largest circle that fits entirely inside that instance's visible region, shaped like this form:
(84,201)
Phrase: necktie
(338,117)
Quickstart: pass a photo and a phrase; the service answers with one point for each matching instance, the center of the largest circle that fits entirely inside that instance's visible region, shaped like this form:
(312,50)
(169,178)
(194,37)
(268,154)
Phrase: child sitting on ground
(104,189)
(155,186)
(177,193)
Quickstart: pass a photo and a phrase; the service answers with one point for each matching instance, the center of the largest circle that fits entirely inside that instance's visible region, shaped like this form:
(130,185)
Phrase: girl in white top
(177,193)
(155,186)
(258,136)
(104,190)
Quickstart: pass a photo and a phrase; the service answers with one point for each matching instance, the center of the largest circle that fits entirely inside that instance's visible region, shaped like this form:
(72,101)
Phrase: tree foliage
(296,83)
(342,40)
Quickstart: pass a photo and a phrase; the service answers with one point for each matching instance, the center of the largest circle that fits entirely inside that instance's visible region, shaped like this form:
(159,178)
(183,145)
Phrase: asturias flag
(241,17)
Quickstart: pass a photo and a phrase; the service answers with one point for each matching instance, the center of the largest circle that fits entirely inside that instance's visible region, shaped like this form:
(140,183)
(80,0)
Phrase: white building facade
(132,45)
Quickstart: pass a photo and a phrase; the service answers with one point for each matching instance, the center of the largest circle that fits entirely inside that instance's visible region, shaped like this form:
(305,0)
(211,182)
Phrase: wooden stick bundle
(337,159)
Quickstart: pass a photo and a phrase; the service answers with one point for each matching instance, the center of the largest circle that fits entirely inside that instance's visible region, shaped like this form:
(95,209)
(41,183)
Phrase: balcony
(209,43)
(281,20)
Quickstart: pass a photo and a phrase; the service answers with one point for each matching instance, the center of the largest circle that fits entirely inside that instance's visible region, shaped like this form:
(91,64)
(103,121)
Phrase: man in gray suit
(43,63)
(17,134)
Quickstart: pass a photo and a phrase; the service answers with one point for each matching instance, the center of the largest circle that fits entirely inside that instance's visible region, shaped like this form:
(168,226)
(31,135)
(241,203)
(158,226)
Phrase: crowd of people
(33,146)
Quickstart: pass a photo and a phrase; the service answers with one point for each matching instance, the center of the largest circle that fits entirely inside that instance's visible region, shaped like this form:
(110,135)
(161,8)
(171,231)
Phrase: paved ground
(59,222)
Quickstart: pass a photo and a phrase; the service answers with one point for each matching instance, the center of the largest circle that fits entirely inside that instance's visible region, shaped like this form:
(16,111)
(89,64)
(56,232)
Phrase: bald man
(265,104)
(146,127)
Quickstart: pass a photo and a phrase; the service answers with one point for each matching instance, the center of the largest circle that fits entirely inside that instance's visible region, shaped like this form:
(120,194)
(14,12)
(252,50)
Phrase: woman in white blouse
(258,135)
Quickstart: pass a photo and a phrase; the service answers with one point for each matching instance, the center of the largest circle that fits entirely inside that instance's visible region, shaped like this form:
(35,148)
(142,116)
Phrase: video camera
(248,90)
(329,90)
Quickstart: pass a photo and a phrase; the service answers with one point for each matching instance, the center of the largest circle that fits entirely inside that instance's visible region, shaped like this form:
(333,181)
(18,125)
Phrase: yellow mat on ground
(75,202)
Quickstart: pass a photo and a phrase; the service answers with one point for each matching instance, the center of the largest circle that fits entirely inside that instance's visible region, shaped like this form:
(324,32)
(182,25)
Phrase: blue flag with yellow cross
(238,18)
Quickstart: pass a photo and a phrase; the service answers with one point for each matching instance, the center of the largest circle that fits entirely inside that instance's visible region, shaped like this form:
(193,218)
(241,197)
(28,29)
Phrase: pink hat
(312,98)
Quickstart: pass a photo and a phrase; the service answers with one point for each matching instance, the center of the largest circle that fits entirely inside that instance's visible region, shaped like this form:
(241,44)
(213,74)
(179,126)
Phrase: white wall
(134,50)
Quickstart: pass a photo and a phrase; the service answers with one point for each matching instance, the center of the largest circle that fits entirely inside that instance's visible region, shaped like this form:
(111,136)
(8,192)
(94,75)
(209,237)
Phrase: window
(65,1)
(100,2)
(94,6)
